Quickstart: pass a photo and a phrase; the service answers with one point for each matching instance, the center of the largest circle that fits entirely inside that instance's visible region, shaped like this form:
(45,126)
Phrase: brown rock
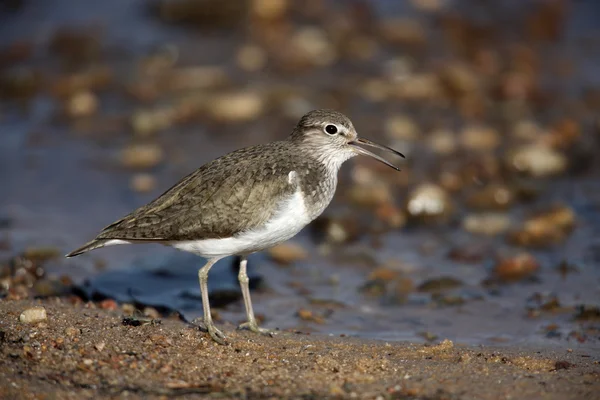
(516,268)
(236,106)
(142,155)
(143,183)
(288,253)
(486,224)
(82,104)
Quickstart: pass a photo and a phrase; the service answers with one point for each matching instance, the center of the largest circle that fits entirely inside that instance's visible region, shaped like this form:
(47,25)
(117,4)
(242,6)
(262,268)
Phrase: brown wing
(234,193)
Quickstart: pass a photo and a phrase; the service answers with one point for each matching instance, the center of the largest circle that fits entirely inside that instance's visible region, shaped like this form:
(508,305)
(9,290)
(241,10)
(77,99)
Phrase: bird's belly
(287,222)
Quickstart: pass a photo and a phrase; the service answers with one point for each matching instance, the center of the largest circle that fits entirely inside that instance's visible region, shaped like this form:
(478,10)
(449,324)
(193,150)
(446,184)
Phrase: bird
(246,201)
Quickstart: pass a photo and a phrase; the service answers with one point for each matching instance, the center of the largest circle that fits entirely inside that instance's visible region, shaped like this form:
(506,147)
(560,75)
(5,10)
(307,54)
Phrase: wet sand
(81,352)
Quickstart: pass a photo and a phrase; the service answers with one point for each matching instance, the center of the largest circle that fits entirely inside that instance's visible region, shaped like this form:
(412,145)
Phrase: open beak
(366,142)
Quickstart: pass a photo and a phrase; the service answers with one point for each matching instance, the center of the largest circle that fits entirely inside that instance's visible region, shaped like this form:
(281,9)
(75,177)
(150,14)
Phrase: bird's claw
(212,330)
(255,328)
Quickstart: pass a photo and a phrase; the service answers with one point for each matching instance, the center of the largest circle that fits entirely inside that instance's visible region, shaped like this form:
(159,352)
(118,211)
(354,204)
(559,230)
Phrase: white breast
(290,218)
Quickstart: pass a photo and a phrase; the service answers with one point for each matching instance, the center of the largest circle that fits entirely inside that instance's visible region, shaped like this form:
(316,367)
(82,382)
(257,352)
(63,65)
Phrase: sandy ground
(83,352)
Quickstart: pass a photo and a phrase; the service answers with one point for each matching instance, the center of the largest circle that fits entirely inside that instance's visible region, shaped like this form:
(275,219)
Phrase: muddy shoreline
(80,351)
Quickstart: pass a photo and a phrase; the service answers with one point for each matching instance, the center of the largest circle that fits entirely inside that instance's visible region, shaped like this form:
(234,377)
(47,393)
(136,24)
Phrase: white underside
(291,217)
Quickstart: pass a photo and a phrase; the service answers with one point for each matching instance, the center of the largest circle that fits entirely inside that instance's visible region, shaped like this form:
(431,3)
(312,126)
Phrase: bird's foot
(212,330)
(253,326)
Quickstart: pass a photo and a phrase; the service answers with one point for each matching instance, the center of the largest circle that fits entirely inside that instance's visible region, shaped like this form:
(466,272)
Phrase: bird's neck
(330,156)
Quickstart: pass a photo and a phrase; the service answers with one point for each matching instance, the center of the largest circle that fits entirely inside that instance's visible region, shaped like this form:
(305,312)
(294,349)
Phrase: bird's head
(332,138)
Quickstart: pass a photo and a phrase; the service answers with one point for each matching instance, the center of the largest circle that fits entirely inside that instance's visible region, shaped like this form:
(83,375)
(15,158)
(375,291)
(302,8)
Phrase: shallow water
(60,186)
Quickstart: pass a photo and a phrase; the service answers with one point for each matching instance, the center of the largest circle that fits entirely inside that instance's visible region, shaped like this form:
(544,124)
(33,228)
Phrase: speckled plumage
(232,194)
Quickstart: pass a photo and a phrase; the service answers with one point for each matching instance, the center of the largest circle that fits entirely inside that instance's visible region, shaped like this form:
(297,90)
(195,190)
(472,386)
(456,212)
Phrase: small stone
(109,304)
(151,312)
(428,5)
(370,195)
(545,228)
(401,289)
(82,104)
(288,253)
(236,106)
(479,138)
(375,90)
(516,268)
(100,346)
(401,127)
(308,315)
(442,141)
(313,45)
(143,183)
(393,216)
(538,161)
(441,284)
(429,202)
(269,9)
(128,309)
(71,331)
(196,78)
(147,122)
(141,156)
(33,315)
(420,87)
(459,79)
(251,58)
(491,197)
(403,31)
(489,224)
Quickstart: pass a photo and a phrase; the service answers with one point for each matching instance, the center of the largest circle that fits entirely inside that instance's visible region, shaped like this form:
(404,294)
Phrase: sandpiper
(246,201)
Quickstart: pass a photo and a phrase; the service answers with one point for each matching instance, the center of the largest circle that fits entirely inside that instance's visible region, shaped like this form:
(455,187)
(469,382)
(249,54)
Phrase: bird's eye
(331,129)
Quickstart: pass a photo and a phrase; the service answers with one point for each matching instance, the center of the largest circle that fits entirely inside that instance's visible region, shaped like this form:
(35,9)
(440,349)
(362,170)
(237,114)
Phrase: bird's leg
(251,323)
(214,333)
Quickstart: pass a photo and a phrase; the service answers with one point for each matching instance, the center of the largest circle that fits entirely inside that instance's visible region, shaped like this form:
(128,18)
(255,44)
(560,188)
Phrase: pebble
(143,183)
(401,127)
(442,141)
(251,58)
(538,161)
(545,228)
(403,31)
(151,312)
(420,87)
(33,315)
(197,78)
(393,216)
(82,104)
(142,155)
(236,106)
(370,195)
(489,224)
(491,197)
(479,138)
(71,331)
(313,45)
(429,202)
(270,9)
(288,253)
(308,315)
(109,304)
(440,284)
(146,122)
(516,268)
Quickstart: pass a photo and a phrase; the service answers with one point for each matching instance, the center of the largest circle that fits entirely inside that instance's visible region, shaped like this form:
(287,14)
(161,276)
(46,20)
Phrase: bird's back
(234,193)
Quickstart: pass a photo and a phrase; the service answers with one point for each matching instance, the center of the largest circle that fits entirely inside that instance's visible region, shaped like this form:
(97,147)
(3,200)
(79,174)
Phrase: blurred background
(489,235)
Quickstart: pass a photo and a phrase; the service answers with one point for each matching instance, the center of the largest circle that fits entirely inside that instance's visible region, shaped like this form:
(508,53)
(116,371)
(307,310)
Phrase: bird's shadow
(168,284)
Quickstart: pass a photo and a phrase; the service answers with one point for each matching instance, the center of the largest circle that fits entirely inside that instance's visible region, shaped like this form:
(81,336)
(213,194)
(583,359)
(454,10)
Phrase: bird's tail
(94,244)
